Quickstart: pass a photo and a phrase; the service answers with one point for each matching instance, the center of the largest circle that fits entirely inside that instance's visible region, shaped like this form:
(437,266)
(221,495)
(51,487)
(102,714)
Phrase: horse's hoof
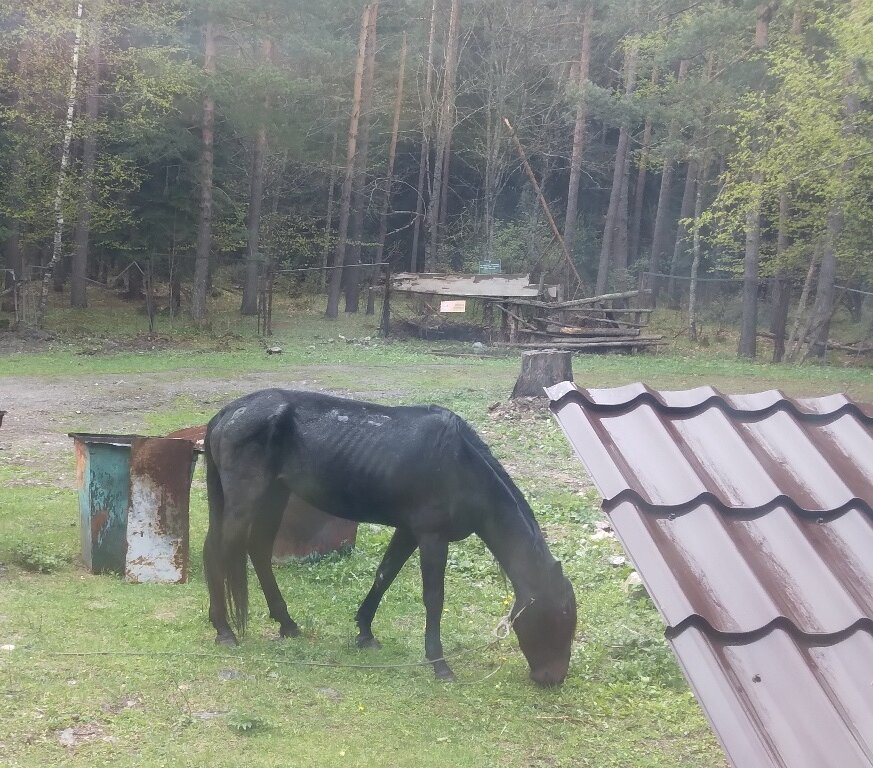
(226,638)
(367,641)
(442,671)
(292,630)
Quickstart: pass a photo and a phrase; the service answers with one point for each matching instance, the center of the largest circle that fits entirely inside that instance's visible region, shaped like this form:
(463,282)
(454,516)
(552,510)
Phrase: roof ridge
(708,498)
(561,393)
(695,620)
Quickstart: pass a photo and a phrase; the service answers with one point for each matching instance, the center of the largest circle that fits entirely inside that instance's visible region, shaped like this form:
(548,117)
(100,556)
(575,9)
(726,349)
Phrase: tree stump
(542,368)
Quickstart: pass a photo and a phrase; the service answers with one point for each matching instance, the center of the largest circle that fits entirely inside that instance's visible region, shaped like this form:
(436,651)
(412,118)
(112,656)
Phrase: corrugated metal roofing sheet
(750,520)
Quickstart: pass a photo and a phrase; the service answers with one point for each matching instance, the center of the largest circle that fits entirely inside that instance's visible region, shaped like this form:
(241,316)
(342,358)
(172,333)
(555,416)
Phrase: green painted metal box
(103,480)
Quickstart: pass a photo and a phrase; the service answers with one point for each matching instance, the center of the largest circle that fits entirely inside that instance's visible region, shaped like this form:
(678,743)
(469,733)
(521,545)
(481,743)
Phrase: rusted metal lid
(750,520)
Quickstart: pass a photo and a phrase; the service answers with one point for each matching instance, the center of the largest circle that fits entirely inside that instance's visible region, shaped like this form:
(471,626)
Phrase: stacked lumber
(596,323)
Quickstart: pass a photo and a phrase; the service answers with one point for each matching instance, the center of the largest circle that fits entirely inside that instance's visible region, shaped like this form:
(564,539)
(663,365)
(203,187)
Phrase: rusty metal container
(157,515)
(307,531)
(133,505)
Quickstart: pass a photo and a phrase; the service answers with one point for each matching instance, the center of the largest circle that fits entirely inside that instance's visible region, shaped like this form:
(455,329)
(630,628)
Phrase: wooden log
(553,341)
(616,310)
(542,368)
(581,302)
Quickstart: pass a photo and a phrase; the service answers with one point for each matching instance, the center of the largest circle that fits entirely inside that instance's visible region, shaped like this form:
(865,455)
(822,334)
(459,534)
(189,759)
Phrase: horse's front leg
(434,553)
(399,550)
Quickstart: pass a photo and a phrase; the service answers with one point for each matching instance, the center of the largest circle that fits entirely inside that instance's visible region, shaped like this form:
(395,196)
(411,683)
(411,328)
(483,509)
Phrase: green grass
(311,343)
(150,671)
(151,689)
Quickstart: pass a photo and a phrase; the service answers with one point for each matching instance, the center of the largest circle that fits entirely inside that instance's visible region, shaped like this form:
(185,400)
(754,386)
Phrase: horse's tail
(224,554)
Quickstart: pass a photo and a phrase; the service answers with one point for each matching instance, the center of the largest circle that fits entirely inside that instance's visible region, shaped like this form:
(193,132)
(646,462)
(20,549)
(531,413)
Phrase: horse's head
(544,624)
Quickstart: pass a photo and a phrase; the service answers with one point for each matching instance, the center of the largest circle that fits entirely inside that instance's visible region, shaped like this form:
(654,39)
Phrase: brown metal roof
(750,520)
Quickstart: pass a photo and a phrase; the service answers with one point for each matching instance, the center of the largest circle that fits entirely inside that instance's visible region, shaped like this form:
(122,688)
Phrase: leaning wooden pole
(351,150)
(65,162)
(545,206)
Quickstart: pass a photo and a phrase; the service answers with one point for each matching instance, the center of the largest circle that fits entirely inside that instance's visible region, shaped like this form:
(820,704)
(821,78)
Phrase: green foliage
(38,558)
(799,138)
(244,723)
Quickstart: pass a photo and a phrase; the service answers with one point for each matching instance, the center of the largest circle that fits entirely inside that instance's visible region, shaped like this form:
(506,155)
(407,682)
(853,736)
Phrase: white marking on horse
(236,414)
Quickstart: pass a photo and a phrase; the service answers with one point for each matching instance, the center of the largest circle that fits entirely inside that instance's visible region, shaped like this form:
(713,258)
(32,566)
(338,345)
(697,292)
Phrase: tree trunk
(781,285)
(614,246)
(660,233)
(749,330)
(134,283)
(207,140)
(444,189)
(570,219)
(79,272)
(14,263)
(542,369)
(640,188)
(695,258)
(795,340)
(325,256)
(351,154)
(360,199)
(748,346)
(249,304)
(392,154)
(823,308)
(444,129)
(426,126)
(763,14)
(685,211)
(65,162)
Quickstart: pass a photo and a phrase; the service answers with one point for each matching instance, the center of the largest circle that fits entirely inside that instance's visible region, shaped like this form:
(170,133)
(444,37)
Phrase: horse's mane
(481,449)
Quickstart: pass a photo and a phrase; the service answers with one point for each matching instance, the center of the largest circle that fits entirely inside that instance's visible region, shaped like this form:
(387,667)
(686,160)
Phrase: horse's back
(349,458)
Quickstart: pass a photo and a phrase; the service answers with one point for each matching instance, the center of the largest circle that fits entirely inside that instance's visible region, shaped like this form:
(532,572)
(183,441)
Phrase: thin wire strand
(500,633)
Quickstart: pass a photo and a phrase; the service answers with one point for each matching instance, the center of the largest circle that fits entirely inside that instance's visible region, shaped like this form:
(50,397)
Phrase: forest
(604,145)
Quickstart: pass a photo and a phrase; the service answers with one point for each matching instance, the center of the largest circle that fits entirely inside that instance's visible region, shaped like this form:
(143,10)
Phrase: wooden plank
(582,332)
(645,341)
(616,310)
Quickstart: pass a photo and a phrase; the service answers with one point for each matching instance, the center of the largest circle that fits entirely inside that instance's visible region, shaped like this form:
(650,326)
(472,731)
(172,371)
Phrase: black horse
(420,469)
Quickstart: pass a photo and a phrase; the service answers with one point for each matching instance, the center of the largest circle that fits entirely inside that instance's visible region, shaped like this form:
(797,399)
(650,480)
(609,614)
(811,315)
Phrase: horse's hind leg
(434,553)
(212,562)
(401,546)
(261,541)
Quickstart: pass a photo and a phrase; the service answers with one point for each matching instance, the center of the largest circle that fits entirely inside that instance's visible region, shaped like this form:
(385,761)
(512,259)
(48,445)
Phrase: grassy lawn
(104,672)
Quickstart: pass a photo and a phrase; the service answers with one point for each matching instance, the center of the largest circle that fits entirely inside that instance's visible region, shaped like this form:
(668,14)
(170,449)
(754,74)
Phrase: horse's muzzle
(547,678)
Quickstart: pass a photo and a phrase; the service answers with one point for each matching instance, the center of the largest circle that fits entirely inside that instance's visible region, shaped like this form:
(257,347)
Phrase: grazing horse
(420,469)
